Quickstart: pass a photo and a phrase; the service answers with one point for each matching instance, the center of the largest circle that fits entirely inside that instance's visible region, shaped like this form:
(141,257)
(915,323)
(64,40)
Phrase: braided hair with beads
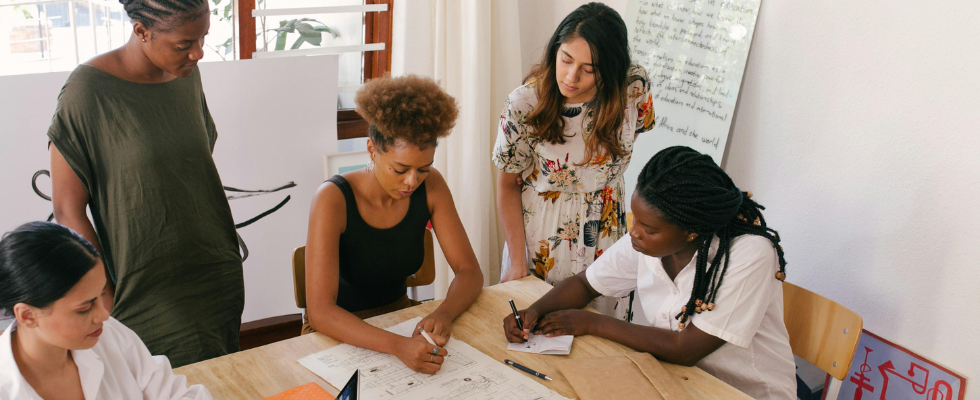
(164,14)
(696,194)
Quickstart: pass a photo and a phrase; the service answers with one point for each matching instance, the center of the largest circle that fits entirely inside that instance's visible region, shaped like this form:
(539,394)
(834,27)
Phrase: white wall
(857,128)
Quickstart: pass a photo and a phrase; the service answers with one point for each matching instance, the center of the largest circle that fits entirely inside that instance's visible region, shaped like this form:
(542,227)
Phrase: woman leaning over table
(64,344)
(706,268)
(367,227)
(564,142)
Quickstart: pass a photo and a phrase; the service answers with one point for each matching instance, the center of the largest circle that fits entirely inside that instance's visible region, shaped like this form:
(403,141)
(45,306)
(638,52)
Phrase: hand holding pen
(528,320)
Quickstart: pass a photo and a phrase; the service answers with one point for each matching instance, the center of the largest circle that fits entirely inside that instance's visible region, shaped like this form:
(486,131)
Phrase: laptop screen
(350,390)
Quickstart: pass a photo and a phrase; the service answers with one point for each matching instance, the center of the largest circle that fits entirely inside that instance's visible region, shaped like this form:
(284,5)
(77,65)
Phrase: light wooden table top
(271,369)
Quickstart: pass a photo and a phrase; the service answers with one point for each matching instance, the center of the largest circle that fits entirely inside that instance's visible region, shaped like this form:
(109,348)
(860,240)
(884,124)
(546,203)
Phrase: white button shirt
(748,314)
(118,367)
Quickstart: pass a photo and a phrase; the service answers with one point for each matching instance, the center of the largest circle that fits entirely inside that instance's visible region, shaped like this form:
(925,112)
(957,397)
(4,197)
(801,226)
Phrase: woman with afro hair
(366,227)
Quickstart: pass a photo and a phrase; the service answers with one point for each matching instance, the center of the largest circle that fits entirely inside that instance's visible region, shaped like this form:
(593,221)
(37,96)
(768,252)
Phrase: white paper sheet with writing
(466,374)
(541,344)
(695,53)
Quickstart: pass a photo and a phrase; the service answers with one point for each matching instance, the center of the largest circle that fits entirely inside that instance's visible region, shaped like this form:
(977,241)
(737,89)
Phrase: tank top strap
(353,216)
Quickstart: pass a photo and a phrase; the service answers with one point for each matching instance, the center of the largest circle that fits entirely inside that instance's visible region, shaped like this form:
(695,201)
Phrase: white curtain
(472,48)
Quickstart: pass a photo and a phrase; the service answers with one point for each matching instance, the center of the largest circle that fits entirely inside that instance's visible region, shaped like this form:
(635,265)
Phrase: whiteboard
(694,52)
(276,118)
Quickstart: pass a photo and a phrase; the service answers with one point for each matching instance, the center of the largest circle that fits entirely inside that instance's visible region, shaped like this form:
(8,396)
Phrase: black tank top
(375,262)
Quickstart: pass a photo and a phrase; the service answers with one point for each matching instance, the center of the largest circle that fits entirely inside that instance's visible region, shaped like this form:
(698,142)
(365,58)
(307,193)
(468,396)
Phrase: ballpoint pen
(528,370)
(516,315)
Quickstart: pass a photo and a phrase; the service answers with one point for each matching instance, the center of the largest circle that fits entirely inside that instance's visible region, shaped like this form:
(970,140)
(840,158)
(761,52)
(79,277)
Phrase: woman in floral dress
(564,142)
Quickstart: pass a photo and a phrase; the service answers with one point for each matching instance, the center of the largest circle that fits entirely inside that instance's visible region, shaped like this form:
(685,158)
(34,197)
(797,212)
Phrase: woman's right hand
(529,318)
(517,270)
(416,353)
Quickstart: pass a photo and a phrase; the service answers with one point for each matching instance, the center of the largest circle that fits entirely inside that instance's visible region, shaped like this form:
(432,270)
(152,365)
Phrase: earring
(144,39)
(370,165)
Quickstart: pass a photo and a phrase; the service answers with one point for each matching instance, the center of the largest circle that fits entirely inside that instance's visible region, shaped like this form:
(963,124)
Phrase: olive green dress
(143,152)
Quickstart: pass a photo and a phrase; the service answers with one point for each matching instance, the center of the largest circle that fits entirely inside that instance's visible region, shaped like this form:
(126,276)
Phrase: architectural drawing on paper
(466,374)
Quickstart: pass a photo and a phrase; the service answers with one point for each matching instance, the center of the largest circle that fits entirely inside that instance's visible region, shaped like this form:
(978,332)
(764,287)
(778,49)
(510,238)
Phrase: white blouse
(748,314)
(118,367)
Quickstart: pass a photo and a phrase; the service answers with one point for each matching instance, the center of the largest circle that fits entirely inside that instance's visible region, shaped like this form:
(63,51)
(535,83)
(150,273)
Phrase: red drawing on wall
(891,372)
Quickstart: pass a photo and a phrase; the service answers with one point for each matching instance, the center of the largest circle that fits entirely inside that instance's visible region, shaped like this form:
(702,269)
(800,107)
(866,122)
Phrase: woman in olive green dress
(131,140)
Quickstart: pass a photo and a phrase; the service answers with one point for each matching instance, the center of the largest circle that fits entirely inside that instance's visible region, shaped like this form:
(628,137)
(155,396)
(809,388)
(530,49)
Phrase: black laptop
(352,388)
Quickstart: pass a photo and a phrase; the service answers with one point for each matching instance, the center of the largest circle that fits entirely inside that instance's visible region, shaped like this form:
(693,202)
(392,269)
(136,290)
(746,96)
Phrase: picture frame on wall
(339,163)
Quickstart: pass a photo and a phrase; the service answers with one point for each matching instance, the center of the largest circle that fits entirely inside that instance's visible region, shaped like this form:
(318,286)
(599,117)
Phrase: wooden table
(271,369)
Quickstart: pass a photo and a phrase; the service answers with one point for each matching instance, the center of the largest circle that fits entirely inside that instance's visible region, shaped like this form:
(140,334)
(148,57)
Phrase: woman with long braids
(564,142)
(707,270)
(131,140)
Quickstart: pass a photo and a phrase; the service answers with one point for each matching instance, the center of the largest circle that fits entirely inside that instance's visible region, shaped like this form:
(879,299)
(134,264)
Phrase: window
(48,36)
(358,30)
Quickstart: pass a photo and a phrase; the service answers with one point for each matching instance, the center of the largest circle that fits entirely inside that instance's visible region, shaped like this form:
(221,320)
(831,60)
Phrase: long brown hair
(605,32)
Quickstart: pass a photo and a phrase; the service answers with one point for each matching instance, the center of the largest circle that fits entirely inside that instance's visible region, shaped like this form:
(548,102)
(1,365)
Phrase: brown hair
(411,108)
(605,32)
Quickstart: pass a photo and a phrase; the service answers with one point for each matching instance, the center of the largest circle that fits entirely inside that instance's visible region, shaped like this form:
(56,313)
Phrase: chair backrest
(425,275)
(821,331)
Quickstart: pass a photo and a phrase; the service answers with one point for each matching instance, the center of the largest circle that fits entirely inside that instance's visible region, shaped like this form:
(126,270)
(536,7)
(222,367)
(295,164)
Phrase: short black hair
(164,15)
(40,262)
(696,194)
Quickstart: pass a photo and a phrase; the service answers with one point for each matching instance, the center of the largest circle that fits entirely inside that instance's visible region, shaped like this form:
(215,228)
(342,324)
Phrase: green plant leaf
(299,42)
(281,37)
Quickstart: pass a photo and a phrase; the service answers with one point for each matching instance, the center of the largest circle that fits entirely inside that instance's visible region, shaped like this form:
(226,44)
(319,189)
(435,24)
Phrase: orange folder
(309,391)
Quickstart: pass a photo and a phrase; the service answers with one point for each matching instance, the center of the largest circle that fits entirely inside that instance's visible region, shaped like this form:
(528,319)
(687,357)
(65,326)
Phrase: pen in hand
(516,315)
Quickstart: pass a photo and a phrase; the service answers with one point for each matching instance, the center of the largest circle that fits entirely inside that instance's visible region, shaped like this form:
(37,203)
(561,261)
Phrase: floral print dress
(573,211)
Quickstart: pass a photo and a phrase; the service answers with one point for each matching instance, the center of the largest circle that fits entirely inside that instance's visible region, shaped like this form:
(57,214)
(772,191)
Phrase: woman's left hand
(437,323)
(566,322)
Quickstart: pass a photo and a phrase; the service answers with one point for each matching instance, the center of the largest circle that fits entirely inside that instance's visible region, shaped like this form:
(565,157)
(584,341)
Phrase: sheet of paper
(541,344)
(466,374)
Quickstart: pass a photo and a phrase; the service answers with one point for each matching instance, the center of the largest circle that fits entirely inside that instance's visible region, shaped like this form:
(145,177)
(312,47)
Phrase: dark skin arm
(468,280)
(327,221)
(562,315)
(70,199)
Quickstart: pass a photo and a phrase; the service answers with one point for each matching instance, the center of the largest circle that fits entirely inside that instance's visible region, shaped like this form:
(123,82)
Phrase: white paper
(695,53)
(467,374)
(541,344)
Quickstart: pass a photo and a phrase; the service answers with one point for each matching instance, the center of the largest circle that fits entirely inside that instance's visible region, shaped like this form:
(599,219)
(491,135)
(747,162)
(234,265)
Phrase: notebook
(312,391)
(541,344)
(309,391)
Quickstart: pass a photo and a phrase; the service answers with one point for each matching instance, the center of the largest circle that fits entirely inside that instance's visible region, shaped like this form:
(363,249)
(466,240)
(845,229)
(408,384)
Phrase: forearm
(78,221)
(463,291)
(571,293)
(511,215)
(345,327)
(665,345)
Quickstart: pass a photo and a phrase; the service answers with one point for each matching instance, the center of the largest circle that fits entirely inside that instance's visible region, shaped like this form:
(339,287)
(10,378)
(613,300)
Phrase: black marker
(528,370)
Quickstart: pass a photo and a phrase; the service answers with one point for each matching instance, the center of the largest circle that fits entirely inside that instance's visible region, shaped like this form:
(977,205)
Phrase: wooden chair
(425,275)
(821,331)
